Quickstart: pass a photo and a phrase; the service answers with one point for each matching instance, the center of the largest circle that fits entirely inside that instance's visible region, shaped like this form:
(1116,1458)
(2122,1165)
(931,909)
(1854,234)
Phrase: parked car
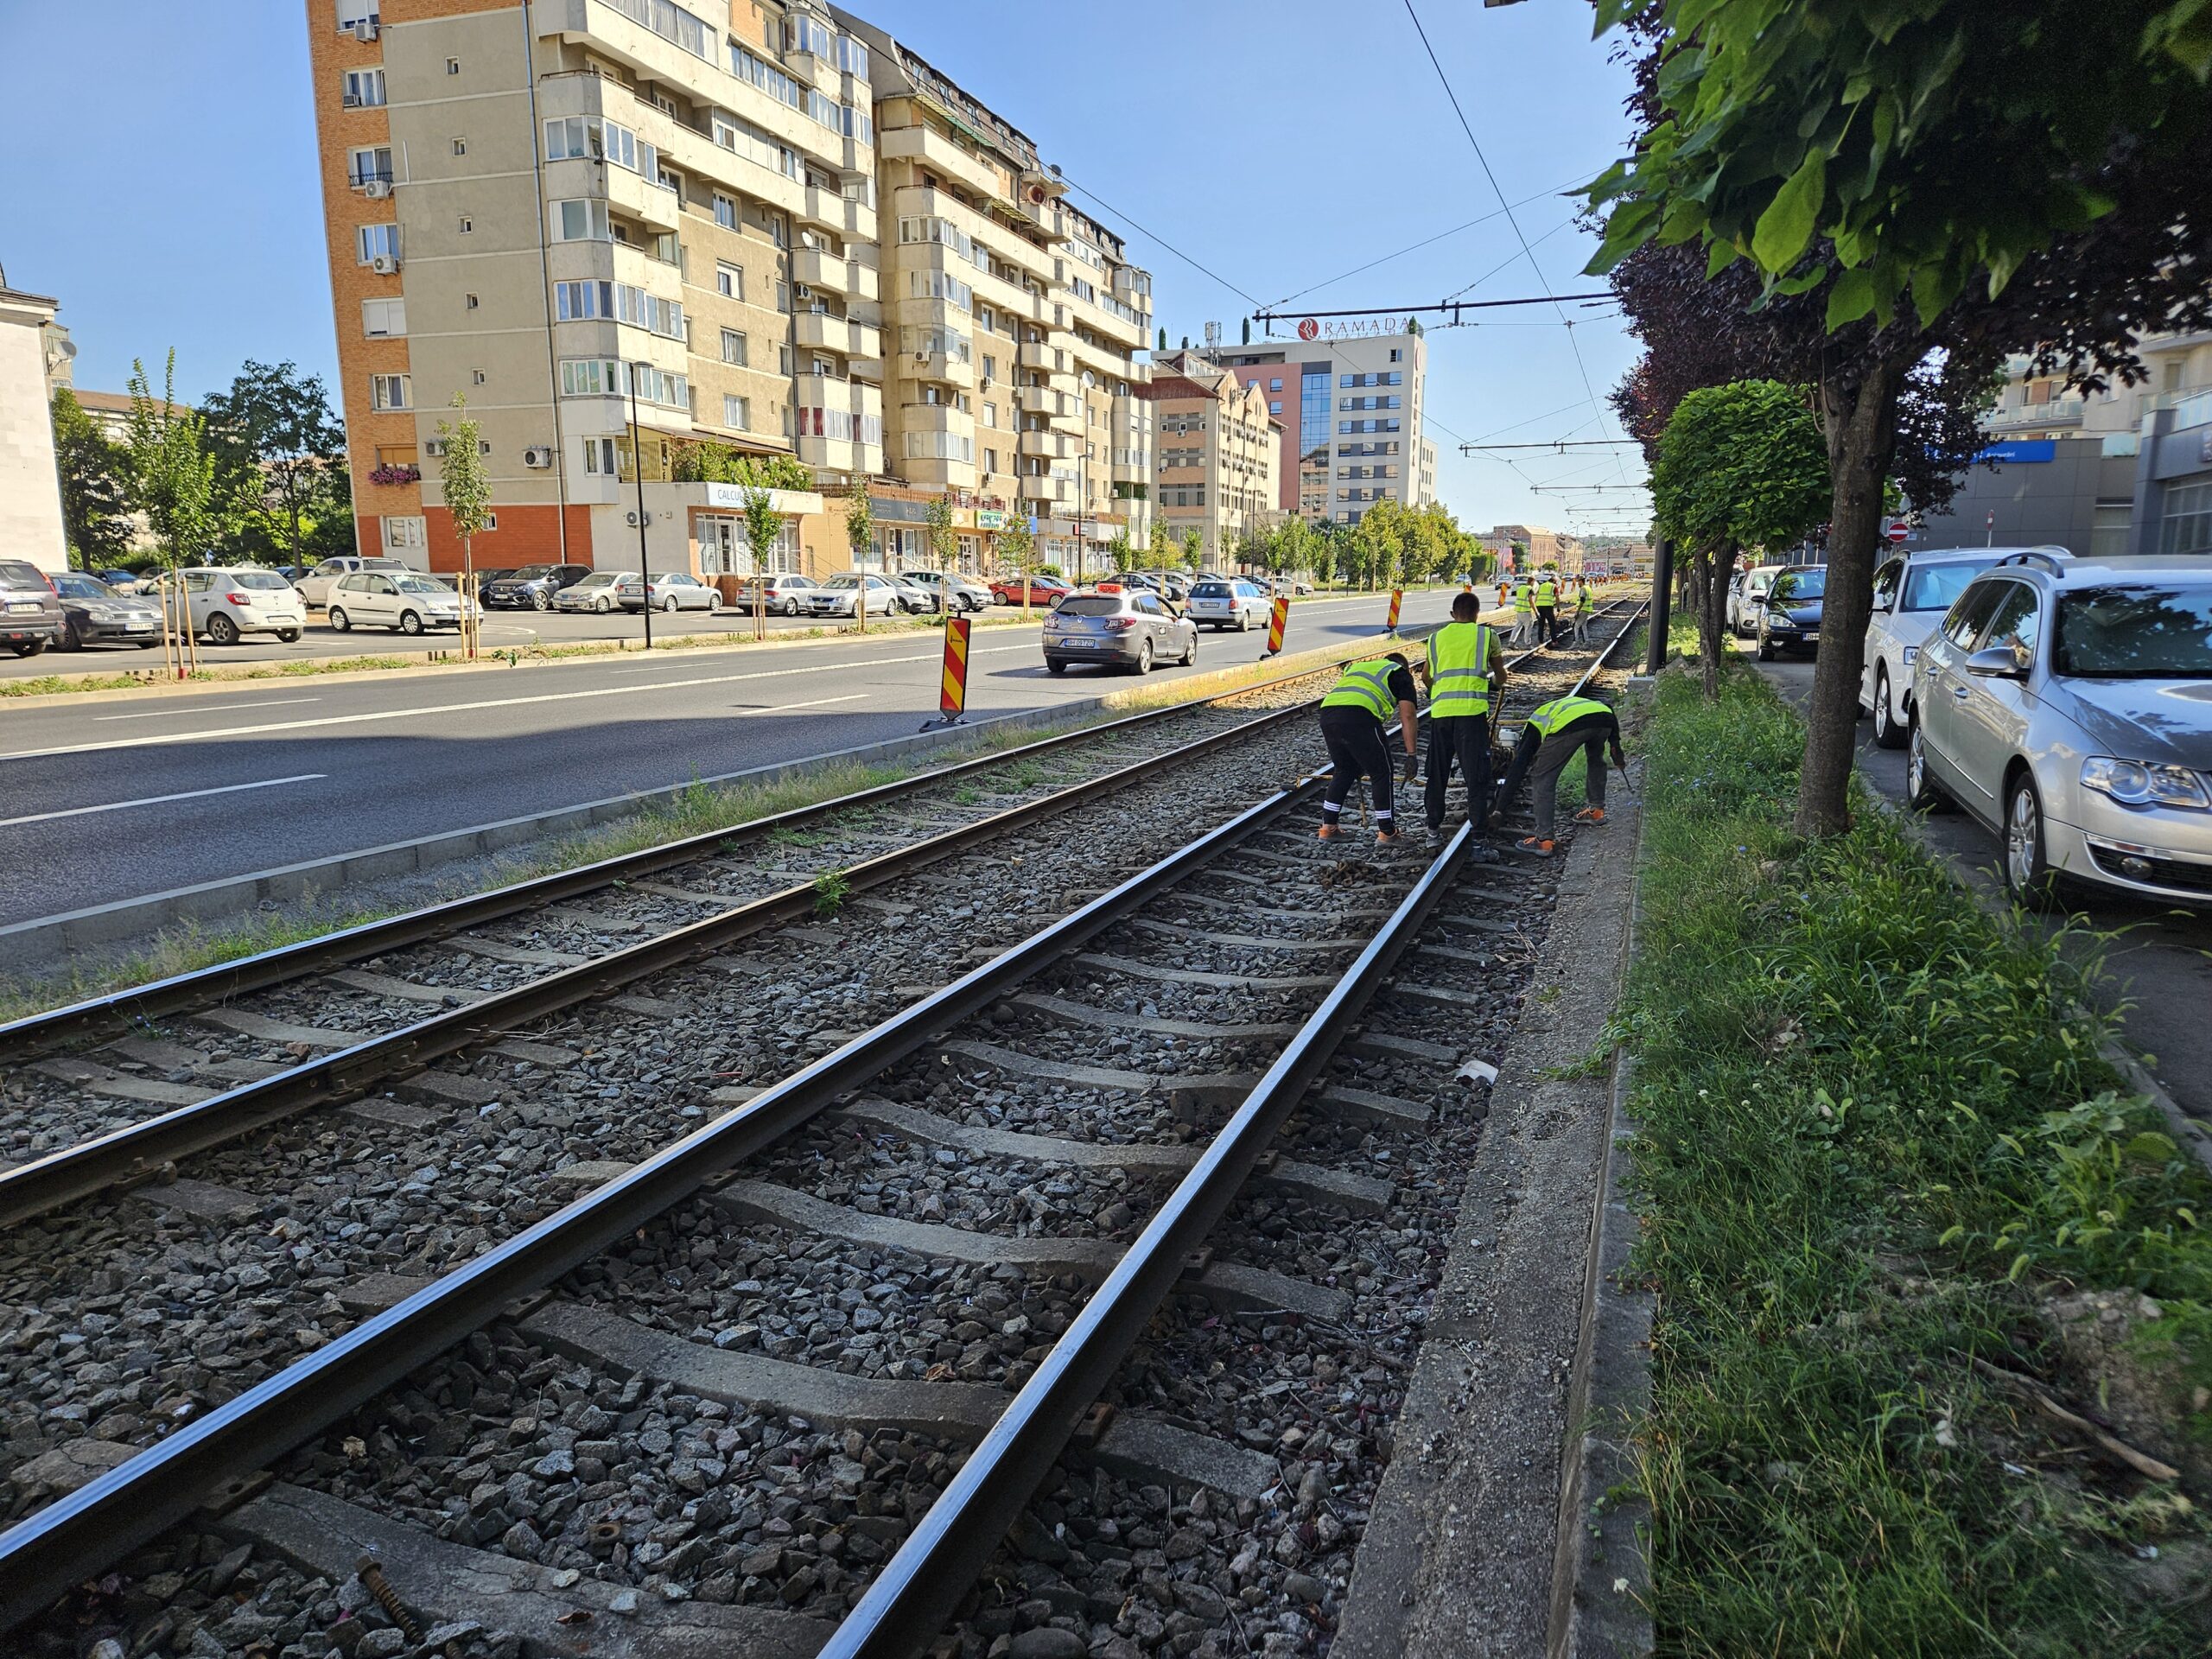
(595,593)
(532,586)
(1911,594)
(1130,630)
(406,603)
(93,613)
(1746,593)
(1176,584)
(227,602)
(124,582)
(30,610)
(1790,611)
(1042,590)
(484,578)
(1230,602)
(671,591)
(840,594)
(2067,704)
(314,587)
(785,594)
(951,590)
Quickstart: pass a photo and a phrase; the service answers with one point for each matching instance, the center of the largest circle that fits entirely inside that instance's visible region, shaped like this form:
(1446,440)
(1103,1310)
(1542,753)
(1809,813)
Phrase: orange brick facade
(526,535)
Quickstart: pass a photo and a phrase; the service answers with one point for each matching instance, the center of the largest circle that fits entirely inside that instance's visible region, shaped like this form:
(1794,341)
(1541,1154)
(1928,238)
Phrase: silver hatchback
(1131,630)
(2067,703)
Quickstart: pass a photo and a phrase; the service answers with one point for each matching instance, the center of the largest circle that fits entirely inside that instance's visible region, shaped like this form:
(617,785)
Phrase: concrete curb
(48,942)
(1601,1581)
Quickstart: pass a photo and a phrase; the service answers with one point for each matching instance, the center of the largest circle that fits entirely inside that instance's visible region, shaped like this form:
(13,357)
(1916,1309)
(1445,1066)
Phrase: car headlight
(2132,783)
(1911,655)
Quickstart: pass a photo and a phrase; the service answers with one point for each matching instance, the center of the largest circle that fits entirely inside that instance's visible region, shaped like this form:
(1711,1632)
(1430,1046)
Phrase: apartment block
(1217,455)
(1350,407)
(30,484)
(642,240)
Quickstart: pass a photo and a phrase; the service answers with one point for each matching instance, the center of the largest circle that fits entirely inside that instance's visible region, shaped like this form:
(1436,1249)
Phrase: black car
(533,586)
(1789,615)
(94,613)
(30,610)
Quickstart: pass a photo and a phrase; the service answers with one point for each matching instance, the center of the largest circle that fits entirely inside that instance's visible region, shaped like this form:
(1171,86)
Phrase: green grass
(1876,1131)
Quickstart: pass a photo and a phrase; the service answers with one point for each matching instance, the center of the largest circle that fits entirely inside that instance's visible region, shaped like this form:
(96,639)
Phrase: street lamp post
(638,476)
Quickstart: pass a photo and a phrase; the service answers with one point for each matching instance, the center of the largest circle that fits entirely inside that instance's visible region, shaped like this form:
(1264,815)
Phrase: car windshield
(263,579)
(82,587)
(1209,590)
(1934,587)
(1090,605)
(1794,586)
(529,572)
(842,583)
(418,585)
(2145,632)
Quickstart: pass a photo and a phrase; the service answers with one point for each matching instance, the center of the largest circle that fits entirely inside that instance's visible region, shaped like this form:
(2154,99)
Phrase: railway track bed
(916,1172)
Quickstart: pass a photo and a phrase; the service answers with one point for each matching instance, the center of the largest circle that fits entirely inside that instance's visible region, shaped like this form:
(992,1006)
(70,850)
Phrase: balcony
(1040,354)
(936,417)
(947,368)
(817,330)
(1046,445)
(652,203)
(818,269)
(1043,400)
(1131,472)
(942,155)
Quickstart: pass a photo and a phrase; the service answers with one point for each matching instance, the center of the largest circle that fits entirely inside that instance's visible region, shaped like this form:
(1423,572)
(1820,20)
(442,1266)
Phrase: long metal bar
(217,983)
(81,1534)
(138,1149)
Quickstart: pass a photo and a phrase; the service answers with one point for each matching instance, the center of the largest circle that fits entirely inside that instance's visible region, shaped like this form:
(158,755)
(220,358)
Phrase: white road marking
(156,800)
(156,713)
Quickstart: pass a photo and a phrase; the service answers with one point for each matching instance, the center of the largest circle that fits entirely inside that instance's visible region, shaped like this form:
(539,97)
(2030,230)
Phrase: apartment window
(990,413)
(725,211)
(783,296)
(734,347)
(599,457)
(1275,383)
(990,461)
(391,391)
(1397,353)
(990,366)
(368,166)
(467,224)
(351,12)
(2188,527)
(470,301)
(479,376)
(581,221)
(575,302)
(382,317)
(403,531)
(737,412)
(453,65)
(364,89)
(461,146)
(729,280)
(1274,406)
(589,376)
(2108,530)
(783,360)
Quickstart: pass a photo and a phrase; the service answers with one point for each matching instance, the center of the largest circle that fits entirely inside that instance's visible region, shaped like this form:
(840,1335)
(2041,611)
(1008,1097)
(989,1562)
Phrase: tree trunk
(1662,593)
(1860,416)
(1693,569)
(1712,616)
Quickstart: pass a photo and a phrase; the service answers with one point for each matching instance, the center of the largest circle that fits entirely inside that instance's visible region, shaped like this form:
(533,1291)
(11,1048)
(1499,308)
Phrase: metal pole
(638,476)
(1662,593)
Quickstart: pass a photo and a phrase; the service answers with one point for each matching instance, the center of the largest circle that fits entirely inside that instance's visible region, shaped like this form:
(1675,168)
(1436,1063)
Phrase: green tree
(860,536)
(175,473)
(1159,548)
(279,453)
(1124,554)
(466,488)
(1194,549)
(944,539)
(763,528)
(1914,178)
(1739,468)
(96,485)
(1015,548)
(1292,547)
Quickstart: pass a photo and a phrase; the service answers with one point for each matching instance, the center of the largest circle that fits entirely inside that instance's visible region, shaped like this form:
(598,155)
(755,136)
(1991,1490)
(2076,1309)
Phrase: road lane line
(156,800)
(156,713)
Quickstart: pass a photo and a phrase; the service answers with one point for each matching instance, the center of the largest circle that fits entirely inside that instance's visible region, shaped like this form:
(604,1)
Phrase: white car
(1743,598)
(672,590)
(407,602)
(314,587)
(1230,602)
(228,602)
(599,592)
(1911,593)
(886,597)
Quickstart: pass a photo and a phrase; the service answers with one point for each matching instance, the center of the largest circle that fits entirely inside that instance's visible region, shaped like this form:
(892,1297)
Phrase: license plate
(1812,639)
(31,606)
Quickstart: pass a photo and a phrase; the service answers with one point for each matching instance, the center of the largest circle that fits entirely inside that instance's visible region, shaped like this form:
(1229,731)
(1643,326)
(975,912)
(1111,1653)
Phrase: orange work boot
(1537,845)
(1388,837)
(1591,815)
(1328,832)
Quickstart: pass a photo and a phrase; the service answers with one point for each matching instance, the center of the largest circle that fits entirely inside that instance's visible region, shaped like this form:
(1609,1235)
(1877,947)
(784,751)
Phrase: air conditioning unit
(433,447)
(376,189)
(352,101)
(538,456)
(383,265)
(801,291)
(364,31)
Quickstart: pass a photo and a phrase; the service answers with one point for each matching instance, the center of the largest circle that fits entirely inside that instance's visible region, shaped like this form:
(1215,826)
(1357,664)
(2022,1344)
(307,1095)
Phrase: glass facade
(1313,410)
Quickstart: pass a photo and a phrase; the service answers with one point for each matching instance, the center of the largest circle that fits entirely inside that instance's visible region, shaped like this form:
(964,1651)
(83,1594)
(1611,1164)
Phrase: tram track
(1100,1037)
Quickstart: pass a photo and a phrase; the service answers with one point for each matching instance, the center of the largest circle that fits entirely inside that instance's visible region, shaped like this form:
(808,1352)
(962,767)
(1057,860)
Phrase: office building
(1217,454)
(750,235)
(1350,406)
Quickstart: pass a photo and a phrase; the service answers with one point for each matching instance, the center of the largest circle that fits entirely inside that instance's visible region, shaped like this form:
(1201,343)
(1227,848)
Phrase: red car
(1043,590)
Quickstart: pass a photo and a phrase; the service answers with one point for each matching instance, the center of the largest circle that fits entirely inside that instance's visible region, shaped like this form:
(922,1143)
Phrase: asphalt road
(2161,964)
(107,797)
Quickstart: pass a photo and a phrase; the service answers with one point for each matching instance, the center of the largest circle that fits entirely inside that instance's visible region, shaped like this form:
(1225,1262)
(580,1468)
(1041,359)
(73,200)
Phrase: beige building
(752,229)
(1540,547)
(2037,406)
(1217,454)
(30,485)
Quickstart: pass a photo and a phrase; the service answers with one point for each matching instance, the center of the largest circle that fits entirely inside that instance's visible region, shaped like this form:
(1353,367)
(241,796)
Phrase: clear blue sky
(160,183)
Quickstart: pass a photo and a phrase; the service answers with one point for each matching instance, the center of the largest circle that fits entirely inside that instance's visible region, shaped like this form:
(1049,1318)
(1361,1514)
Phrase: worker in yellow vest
(1524,611)
(1585,607)
(1554,734)
(1467,671)
(1547,607)
(1354,716)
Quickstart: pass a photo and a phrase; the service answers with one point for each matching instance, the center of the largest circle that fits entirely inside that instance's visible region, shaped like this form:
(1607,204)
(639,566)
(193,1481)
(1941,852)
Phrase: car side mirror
(1996,663)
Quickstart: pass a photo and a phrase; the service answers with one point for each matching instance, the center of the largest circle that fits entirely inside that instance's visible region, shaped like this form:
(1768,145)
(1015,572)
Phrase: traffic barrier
(1397,598)
(952,686)
(1278,620)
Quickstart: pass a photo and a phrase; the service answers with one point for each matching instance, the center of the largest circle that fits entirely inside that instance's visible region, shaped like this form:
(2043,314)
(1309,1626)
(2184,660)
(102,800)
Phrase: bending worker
(1547,608)
(1554,732)
(1353,717)
(1467,671)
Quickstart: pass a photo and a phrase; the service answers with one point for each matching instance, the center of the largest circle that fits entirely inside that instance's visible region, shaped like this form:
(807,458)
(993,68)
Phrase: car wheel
(1921,792)
(1144,657)
(1052,665)
(542,601)
(1765,652)
(221,630)
(602,605)
(1886,733)
(340,622)
(290,635)
(71,640)
(409,622)
(27,647)
(668,606)
(2027,871)
(147,645)
(1243,622)
(1191,649)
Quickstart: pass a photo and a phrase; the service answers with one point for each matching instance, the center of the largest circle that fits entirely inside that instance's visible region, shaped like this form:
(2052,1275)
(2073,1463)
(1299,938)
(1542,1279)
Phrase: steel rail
(918,1589)
(82,1534)
(203,987)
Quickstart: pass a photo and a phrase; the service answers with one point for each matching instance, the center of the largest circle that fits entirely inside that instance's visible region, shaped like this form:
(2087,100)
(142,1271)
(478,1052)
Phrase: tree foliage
(860,525)
(944,538)
(96,486)
(462,479)
(280,456)
(174,472)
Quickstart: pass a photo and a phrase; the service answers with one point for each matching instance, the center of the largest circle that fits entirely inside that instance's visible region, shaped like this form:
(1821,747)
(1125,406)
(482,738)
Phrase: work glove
(1411,771)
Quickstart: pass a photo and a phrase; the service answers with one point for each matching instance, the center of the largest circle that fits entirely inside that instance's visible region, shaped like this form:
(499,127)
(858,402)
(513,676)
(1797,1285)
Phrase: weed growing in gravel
(831,891)
(1876,1139)
(967,794)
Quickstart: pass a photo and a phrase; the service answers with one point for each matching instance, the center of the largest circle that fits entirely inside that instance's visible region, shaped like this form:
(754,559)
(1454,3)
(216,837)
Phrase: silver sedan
(672,590)
(1129,630)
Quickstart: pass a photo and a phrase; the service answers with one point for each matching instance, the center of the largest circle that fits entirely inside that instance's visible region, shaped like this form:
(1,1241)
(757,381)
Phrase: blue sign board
(2021,449)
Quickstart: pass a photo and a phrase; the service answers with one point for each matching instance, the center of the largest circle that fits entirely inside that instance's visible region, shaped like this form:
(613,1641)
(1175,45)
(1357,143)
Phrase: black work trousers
(1548,622)
(1464,738)
(1541,759)
(1356,750)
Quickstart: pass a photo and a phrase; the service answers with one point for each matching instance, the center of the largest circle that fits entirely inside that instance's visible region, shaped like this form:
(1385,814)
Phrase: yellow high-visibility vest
(1365,685)
(1546,594)
(1458,670)
(1560,712)
(1523,598)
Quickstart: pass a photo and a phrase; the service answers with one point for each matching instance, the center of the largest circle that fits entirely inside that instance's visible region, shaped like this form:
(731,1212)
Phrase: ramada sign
(1343,328)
